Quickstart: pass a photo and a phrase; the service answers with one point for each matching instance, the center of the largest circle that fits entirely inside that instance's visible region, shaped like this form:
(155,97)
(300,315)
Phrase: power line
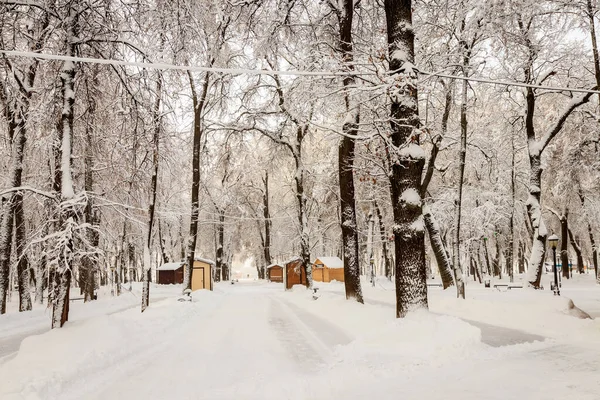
(240,71)
(509,83)
(166,66)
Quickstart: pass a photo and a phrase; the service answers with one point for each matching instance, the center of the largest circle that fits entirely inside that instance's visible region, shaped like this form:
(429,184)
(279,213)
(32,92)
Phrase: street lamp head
(553,240)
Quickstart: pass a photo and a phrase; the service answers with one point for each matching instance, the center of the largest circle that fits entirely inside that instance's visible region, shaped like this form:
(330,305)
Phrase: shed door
(198,278)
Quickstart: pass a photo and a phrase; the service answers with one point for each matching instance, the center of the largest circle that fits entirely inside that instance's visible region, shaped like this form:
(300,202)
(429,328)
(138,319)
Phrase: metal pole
(556,288)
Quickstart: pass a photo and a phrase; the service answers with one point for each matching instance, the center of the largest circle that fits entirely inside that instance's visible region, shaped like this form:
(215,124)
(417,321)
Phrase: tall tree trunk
(23,277)
(511,219)
(564,243)
(486,253)
(409,159)
(521,257)
(268,224)
(536,149)
(147,268)
(68,215)
(590,234)
(8,210)
(220,244)
(345,13)
(89,263)
(302,210)
(384,240)
(577,247)
(198,101)
(161,241)
(496,261)
(441,257)
(590,12)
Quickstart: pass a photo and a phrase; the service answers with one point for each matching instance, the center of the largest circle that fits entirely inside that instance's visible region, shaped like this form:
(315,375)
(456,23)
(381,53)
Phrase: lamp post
(553,240)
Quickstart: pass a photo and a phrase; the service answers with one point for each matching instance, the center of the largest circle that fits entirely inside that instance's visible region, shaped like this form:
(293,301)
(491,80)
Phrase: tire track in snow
(309,338)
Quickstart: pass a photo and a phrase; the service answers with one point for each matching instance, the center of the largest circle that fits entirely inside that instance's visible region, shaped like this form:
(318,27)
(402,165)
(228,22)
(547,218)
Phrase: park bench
(434,285)
(507,286)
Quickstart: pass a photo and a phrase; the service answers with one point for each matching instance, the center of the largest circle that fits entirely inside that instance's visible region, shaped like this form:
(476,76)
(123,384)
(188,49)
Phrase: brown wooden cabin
(202,274)
(327,269)
(170,273)
(294,273)
(275,273)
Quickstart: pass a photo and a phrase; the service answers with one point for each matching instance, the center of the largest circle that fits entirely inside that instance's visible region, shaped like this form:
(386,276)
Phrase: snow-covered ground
(252,340)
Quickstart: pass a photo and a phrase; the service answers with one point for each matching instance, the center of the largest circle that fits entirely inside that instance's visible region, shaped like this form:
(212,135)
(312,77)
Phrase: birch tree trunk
(408,160)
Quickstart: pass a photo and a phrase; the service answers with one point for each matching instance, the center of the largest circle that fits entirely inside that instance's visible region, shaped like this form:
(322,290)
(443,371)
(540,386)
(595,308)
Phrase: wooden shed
(170,273)
(202,274)
(294,273)
(327,269)
(275,273)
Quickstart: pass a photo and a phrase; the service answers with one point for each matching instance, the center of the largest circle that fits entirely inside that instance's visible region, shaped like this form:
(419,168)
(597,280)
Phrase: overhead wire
(248,71)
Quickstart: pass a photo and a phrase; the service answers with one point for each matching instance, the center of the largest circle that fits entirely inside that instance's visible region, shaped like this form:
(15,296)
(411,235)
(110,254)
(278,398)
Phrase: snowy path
(255,341)
(255,337)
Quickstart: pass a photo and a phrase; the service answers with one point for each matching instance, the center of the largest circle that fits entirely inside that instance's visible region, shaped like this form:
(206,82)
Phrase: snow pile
(63,358)
(419,339)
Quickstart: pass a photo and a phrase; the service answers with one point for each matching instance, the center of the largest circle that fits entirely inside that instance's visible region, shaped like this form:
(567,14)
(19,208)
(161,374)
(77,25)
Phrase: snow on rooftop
(295,258)
(204,260)
(331,262)
(273,265)
(170,266)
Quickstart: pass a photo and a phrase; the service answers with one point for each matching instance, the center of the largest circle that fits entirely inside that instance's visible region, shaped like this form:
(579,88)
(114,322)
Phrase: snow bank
(46,364)
(419,339)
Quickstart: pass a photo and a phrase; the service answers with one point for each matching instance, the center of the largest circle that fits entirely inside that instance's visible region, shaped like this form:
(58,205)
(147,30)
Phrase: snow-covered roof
(296,258)
(331,262)
(273,265)
(204,260)
(170,266)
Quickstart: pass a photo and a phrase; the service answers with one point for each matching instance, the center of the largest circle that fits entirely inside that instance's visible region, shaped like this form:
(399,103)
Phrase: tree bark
(198,101)
(564,242)
(384,241)
(511,219)
(408,161)
(441,257)
(590,234)
(147,268)
(521,256)
(68,215)
(577,247)
(23,276)
(590,12)
(345,13)
(456,262)
(268,224)
(489,271)
(220,244)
